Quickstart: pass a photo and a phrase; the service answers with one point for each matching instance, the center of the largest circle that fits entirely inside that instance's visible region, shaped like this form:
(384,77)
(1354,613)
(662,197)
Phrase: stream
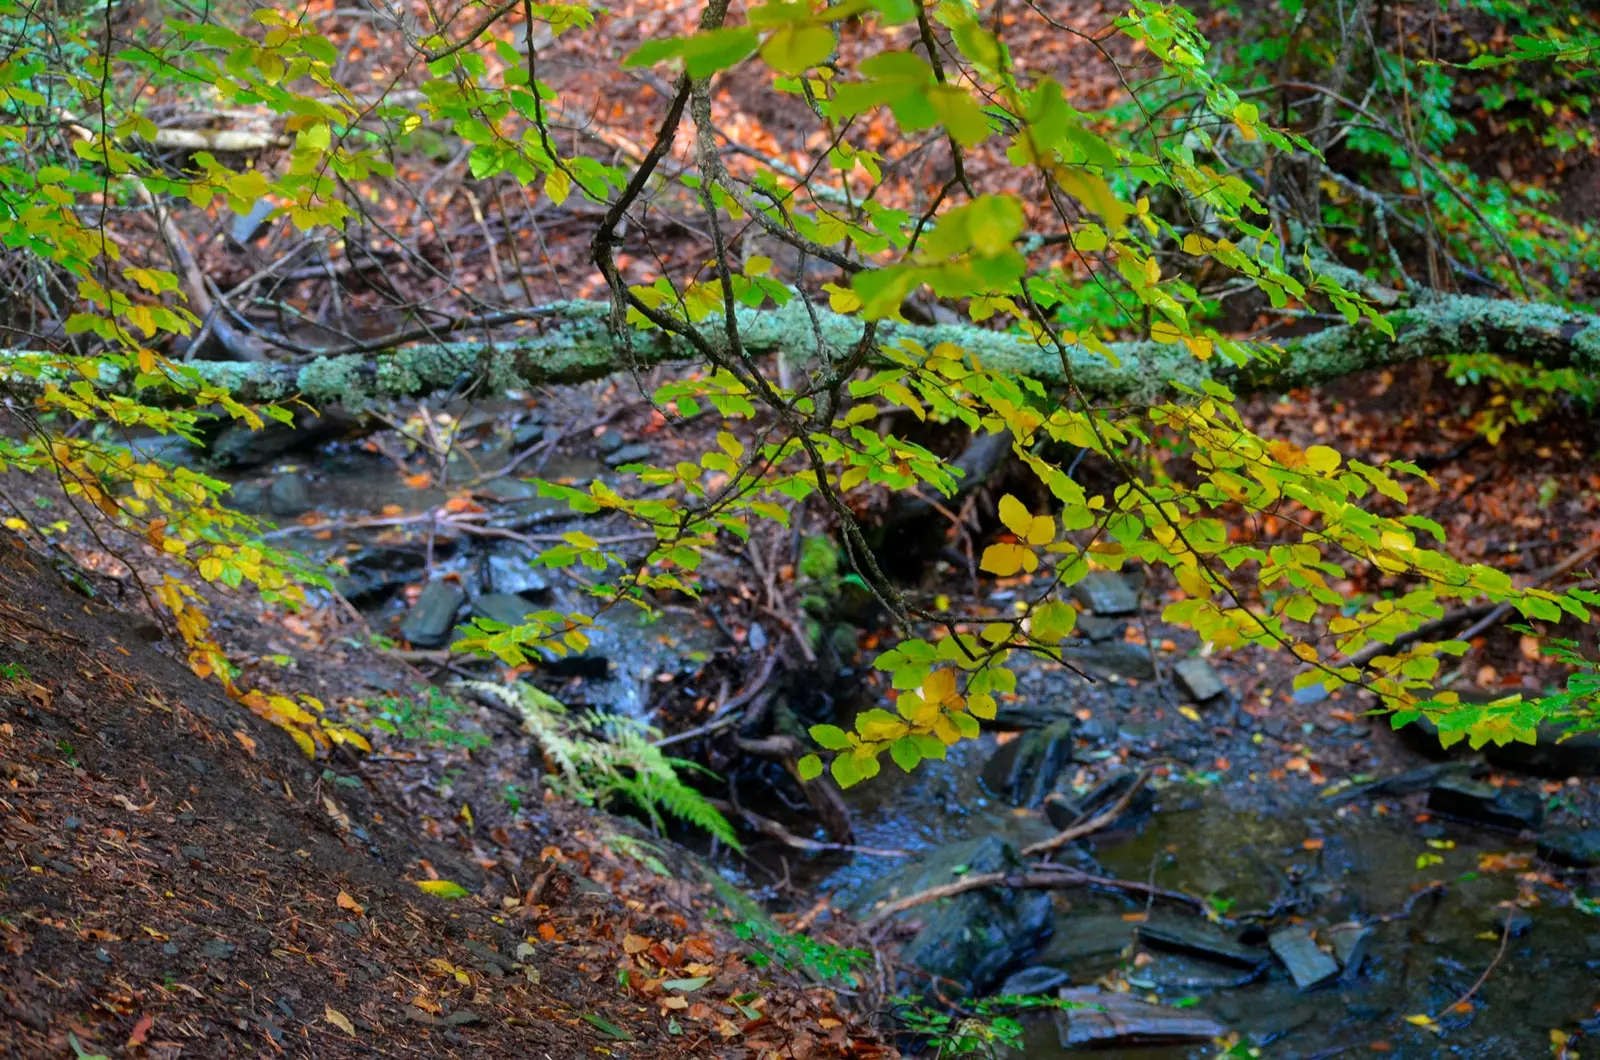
(1230,835)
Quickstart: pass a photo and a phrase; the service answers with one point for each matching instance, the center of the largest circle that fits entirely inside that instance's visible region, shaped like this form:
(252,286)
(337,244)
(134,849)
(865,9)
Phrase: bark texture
(571,343)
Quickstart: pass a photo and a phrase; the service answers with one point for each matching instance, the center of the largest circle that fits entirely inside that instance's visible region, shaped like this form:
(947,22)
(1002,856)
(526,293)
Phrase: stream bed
(1246,846)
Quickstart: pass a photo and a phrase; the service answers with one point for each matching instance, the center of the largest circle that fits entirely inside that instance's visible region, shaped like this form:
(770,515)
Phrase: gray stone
(1470,800)
(1116,658)
(1064,811)
(1198,680)
(289,496)
(1097,629)
(1172,971)
(1028,712)
(1577,847)
(1349,943)
(526,434)
(514,572)
(1024,770)
(1308,966)
(219,950)
(1078,938)
(972,938)
(637,453)
(430,619)
(610,441)
(1102,1019)
(503,607)
(1036,980)
(1202,940)
(373,574)
(1106,593)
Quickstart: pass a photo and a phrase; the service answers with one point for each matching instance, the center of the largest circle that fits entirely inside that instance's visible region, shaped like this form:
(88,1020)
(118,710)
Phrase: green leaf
(1053,620)
(684,986)
(794,49)
(810,767)
(703,54)
(610,1028)
(905,753)
(831,737)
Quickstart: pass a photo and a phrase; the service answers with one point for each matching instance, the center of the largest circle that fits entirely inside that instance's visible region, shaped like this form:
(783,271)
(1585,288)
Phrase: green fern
(599,758)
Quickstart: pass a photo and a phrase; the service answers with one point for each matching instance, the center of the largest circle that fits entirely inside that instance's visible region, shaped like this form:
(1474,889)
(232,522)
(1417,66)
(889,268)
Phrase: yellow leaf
(1005,559)
(1190,713)
(346,902)
(939,687)
(1423,1021)
(442,888)
(1322,459)
(757,265)
(338,1019)
(1015,515)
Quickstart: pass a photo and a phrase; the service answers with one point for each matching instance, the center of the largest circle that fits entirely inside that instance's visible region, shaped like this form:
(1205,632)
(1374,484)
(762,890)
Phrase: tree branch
(573,345)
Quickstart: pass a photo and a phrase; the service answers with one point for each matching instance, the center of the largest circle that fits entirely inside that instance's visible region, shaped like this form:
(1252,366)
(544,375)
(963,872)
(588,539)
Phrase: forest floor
(178,879)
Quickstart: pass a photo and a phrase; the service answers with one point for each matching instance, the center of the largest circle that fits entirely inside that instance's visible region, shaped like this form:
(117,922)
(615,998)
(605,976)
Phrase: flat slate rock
(630,454)
(1039,979)
(1079,937)
(509,608)
(1097,629)
(1201,940)
(1198,680)
(1106,593)
(1024,769)
(1114,658)
(1513,809)
(1308,966)
(1349,943)
(428,623)
(1576,847)
(1105,1019)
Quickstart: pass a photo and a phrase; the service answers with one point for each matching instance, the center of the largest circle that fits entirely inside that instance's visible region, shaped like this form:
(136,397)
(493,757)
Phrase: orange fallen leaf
(347,902)
(246,742)
(632,944)
(547,932)
(140,1030)
(1312,844)
(420,481)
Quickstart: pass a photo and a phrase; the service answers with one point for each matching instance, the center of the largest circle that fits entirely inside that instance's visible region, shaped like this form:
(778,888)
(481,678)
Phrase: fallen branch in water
(1041,876)
(1094,824)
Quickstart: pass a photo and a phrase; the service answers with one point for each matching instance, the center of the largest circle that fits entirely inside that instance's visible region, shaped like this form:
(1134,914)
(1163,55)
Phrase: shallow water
(1244,847)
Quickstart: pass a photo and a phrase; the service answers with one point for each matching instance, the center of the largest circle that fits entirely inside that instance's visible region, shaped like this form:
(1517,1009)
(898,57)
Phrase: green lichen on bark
(573,344)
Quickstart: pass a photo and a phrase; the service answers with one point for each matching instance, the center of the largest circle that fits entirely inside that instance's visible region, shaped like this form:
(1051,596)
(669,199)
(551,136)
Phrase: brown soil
(176,878)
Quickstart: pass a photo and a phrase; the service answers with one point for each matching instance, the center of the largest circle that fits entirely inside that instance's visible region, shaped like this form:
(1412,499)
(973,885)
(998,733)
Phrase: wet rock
(1202,940)
(1107,593)
(1407,783)
(1078,938)
(1551,756)
(1097,629)
(1470,800)
(240,447)
(1198,680)
(373,574)
(1025,769)
(1064,811)
(1575,847)
(430,619)
(1349,943)
(1308,966)
(1515,922)
(638,453)
(514,572)
(610,441)
(1173,971)
(1039,979)
(1116,658)
(289,496)
(1103,1019)
(1030,713)
(526,434)
(508,608)
(973,938)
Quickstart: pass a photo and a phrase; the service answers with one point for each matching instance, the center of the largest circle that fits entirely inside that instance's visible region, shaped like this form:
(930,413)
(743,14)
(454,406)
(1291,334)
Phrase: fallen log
(570,342)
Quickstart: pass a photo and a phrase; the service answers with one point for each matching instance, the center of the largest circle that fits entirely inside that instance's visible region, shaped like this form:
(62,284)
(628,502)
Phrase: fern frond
(605,757)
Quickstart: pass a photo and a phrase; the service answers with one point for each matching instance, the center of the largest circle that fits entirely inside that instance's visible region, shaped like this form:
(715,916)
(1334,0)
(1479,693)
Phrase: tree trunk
(571,343)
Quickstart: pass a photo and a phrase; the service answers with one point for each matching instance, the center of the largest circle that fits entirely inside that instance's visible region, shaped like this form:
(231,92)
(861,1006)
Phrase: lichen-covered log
(571,343)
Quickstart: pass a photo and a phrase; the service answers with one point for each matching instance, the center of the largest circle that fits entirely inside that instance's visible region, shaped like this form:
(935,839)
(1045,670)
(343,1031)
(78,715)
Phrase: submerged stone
(1349,943)
(1115,658)
(373,574)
